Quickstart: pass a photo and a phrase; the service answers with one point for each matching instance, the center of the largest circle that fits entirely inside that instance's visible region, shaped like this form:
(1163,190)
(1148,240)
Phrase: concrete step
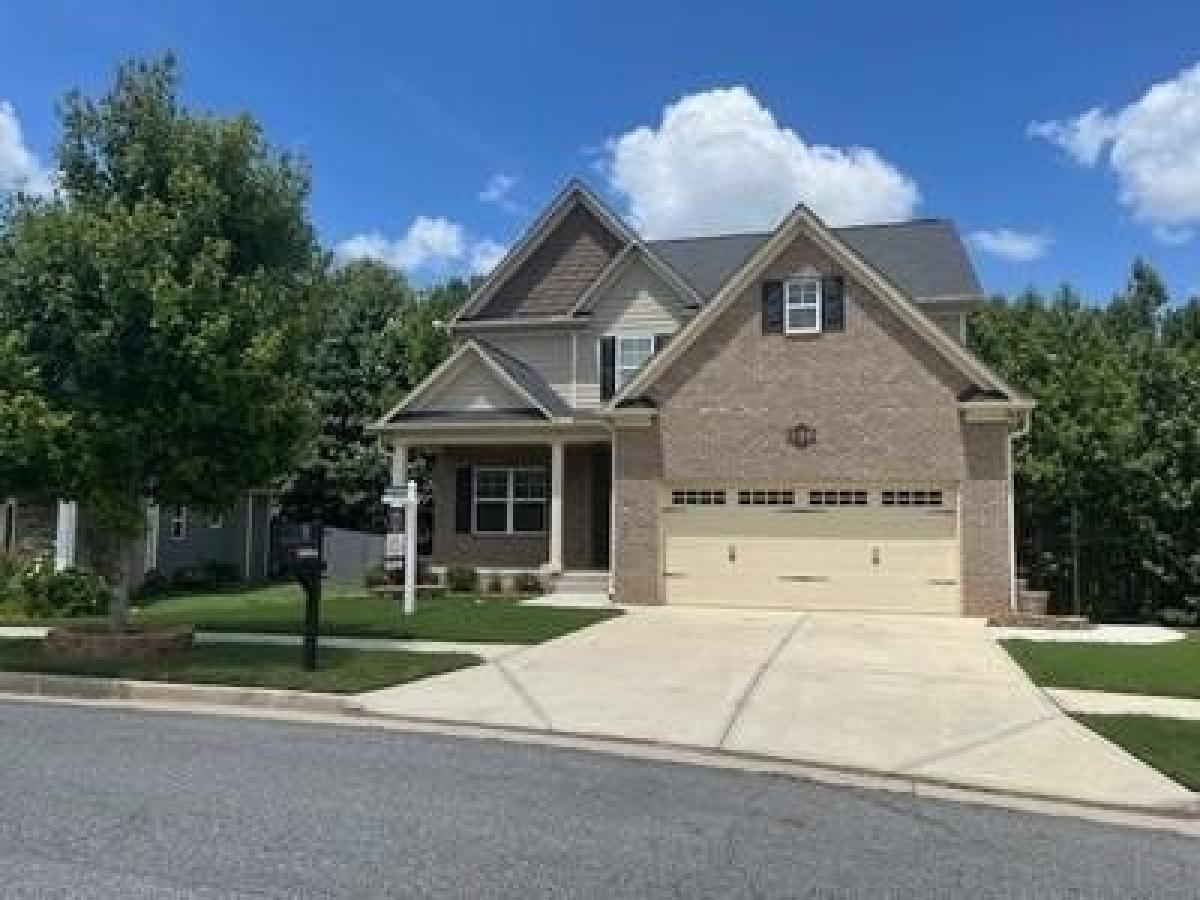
(1030,620)
(579,582)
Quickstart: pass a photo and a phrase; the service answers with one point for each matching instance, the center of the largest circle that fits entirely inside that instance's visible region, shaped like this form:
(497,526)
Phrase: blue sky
(689,116)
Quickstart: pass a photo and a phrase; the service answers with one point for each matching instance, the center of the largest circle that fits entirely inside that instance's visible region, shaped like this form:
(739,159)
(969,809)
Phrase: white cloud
(718,161)
(485,255)
(497,188)
(498,192)
(1012,245)
(432,243)
(1153,147)
(20,169)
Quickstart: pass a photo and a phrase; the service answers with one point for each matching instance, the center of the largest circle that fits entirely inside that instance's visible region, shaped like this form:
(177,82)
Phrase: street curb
(918,785)
(75,687)
(349,711)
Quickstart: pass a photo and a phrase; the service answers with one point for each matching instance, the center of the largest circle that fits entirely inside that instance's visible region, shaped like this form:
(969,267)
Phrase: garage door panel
(851,558)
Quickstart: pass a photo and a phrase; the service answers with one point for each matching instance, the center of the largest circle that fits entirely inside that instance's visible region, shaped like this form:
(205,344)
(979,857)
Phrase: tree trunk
(122,585)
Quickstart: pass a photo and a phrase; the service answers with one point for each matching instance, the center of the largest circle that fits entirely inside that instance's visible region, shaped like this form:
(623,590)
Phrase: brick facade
(883,403)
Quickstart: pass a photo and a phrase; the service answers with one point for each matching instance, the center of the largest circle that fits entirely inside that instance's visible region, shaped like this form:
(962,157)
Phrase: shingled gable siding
(883,405)
(552,279)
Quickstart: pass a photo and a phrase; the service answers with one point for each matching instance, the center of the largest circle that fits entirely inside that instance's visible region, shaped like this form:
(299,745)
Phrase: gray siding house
(175,537)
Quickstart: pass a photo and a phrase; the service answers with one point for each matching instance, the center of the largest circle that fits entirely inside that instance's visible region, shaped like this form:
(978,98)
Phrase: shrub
(154,585)
(495,584)
(12,567)
(527,583)
(462,579)
(72,592)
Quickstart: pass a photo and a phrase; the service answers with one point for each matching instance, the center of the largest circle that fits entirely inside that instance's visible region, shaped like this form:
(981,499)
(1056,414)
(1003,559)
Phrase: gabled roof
(518,377)
(803,221)
(925,258)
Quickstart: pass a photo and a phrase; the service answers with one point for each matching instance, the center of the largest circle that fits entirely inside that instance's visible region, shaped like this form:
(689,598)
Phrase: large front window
(802,306)
(510,500)
(632,353)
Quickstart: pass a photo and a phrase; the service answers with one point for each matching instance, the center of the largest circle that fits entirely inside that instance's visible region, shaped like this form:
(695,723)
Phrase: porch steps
(579,581)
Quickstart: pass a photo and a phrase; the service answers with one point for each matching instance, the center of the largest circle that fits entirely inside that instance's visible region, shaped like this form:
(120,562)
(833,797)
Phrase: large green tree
(159,309)
(380,337)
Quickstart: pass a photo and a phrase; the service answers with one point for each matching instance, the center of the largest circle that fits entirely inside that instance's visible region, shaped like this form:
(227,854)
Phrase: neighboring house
(780,419)
(175,537)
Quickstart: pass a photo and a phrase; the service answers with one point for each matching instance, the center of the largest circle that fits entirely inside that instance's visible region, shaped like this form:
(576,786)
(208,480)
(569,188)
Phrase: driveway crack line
(756,679)
(534,707)
(922,761)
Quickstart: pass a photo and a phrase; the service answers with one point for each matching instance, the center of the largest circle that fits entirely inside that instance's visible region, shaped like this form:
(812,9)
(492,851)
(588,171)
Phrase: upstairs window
(802,306)
(632,353)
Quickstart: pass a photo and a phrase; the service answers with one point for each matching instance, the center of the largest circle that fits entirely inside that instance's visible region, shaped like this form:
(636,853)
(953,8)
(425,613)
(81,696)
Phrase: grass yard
(1170,745)
(340,672)
(279,609)
(1168,670)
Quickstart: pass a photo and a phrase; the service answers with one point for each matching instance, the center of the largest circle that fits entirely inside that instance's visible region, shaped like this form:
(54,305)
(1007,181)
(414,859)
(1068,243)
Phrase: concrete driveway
(926,697)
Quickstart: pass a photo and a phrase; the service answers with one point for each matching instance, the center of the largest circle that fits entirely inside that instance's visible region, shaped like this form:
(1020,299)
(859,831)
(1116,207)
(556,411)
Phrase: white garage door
(884,549)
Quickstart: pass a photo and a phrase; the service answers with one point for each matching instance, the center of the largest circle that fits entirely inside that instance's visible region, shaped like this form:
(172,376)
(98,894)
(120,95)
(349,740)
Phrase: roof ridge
(897,223)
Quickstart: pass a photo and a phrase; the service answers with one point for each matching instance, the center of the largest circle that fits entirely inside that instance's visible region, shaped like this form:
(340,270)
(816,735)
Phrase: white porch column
(64,539)
(399,463)
(150,556)
(555,563)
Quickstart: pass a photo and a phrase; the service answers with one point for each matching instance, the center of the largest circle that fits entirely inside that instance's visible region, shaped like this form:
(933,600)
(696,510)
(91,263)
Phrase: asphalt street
(107,803)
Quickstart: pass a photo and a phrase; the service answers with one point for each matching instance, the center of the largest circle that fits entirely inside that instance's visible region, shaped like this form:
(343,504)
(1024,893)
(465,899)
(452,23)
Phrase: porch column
(64,538)
(399,463)
(555,564)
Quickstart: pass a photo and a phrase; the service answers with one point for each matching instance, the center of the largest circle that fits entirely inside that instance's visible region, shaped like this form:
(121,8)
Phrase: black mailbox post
(303,547)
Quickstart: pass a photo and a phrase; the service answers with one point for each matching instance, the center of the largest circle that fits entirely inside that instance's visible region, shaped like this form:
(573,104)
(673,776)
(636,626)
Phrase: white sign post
(403,546)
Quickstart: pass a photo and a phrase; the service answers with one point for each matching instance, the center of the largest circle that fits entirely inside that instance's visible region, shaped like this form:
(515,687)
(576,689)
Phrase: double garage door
(863,548)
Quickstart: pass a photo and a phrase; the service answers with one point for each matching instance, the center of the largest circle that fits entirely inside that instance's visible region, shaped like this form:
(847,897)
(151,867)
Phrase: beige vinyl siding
(637,302)
(548,353)
(473,387)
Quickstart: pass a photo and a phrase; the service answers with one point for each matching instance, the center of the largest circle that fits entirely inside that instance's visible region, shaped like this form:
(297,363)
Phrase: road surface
(107,803)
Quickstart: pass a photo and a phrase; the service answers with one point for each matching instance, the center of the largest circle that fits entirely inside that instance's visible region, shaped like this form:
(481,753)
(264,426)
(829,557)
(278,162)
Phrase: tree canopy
(157,312)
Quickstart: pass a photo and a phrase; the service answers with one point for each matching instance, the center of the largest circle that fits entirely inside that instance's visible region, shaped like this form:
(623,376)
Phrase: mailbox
(301,545)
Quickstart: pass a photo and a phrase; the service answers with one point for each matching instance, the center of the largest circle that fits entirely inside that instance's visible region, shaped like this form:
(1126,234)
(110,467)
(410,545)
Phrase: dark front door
(601,463)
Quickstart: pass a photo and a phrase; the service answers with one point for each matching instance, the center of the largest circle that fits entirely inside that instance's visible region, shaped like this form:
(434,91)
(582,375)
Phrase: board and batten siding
(638,301)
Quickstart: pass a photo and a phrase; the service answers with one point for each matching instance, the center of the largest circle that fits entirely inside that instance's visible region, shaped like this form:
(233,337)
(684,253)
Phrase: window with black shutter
(608,367)
(833,303)
(772,307)
(463,483)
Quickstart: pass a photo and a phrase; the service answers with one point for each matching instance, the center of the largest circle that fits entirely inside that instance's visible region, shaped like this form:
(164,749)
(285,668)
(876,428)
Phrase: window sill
(508,534)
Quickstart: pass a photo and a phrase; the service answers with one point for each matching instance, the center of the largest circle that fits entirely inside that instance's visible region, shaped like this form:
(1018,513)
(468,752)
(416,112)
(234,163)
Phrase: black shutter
(608,367)
(463,490)
(660,341)
(833,303)
(772,307)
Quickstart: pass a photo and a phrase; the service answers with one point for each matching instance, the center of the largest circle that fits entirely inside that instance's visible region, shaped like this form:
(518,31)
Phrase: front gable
(637,299)
(472,386)
(550,281)
(881,401)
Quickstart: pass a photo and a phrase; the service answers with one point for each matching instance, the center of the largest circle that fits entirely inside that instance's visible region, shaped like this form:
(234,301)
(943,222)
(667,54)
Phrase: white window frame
(622,375)
(178,526)
(509,500)
(802,284)
(216,520)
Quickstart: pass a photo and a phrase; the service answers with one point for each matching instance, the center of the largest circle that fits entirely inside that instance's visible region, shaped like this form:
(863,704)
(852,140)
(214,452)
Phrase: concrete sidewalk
(1103,703)
(927,698)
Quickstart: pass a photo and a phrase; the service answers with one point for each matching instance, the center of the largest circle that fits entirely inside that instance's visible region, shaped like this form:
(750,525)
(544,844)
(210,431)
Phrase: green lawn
(340,671)
(1170,745)
(1168,670)
(346,611)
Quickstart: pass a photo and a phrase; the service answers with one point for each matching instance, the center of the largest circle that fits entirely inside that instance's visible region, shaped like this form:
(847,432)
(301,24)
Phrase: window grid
(510,500)
(838,498)
(802,306)
(766,498)
(632,353)
(701,497)
(178,523)
(912,498)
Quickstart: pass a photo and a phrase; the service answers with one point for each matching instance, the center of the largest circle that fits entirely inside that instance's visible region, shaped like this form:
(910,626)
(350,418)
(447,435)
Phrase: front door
(600,460)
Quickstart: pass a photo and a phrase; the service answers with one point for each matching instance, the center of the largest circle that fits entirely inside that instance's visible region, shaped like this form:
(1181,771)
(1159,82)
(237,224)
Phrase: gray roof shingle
(527,377)
(925,257)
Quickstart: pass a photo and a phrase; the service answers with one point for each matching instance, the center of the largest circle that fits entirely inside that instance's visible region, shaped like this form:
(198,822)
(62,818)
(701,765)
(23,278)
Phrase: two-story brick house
(779,419)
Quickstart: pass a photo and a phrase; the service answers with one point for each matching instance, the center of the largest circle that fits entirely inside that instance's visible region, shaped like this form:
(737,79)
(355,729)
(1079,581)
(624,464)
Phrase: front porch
(517,502)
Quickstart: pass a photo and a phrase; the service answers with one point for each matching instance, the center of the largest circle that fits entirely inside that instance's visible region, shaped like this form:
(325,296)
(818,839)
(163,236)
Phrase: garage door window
(912,498)
(837,498)
(702,497)
(766,498)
